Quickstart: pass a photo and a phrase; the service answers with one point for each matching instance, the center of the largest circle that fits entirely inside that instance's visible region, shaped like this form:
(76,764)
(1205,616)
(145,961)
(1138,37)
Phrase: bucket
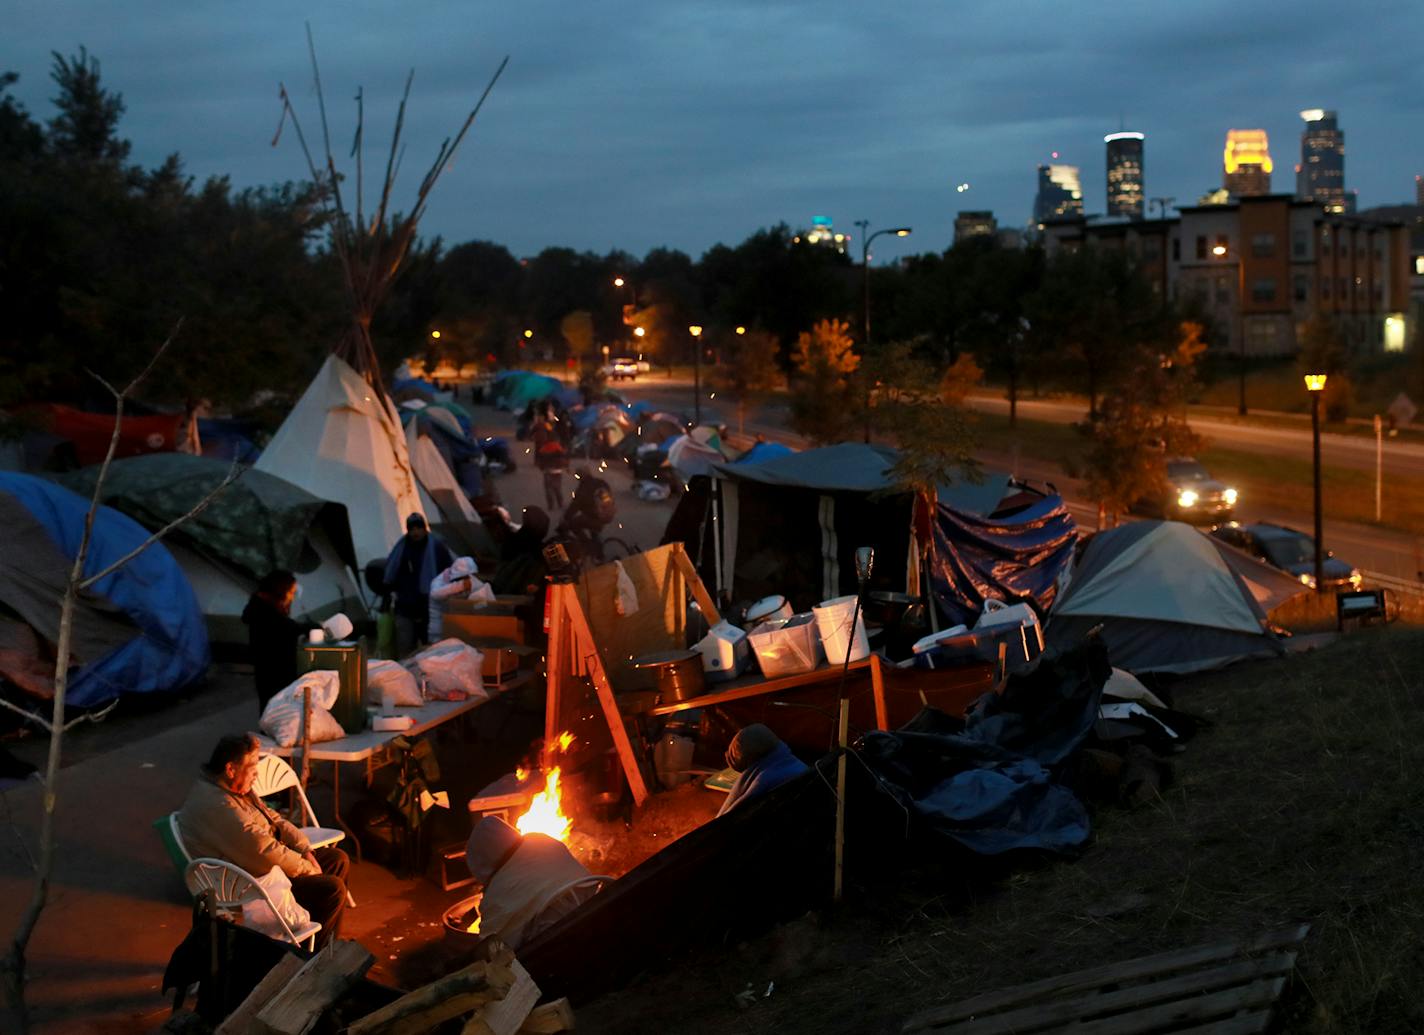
(833,618)
(678,672)
(767,609)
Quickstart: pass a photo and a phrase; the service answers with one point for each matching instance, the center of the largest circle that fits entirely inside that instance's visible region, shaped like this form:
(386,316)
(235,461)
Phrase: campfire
(545,814)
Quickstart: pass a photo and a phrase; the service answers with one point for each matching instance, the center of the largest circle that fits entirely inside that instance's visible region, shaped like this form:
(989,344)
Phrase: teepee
(343,442)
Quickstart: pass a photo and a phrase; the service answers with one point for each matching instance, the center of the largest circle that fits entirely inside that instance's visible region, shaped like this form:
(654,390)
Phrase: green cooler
(349,659)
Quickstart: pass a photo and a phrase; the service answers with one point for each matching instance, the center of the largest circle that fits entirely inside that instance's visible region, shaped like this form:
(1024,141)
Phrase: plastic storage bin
(786,646)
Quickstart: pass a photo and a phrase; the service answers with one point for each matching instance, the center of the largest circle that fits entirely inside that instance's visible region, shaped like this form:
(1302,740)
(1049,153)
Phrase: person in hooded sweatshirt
(272,634)
(413,563)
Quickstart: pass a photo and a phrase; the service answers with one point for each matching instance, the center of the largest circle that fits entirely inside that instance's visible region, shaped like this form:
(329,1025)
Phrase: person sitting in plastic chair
(223,819)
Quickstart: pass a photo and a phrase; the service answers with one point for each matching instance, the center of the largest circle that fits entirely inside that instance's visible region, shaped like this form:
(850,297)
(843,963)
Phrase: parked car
(1290,551)
(620,368)
(1193,495)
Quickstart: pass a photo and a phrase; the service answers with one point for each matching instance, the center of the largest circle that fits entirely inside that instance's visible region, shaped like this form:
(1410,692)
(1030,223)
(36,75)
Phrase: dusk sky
(685,124)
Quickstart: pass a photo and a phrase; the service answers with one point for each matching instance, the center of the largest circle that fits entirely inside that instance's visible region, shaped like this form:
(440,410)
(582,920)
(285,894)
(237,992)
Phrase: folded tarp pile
(992,782)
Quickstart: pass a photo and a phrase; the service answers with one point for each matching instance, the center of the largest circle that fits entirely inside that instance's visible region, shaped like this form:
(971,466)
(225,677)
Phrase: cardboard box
(490,623)
(502,658)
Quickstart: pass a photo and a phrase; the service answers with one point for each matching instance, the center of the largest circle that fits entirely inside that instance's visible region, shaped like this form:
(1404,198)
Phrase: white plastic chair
(232,887)
(274,776)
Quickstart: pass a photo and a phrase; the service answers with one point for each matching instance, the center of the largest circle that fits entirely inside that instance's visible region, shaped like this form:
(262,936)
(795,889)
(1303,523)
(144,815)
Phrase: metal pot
(678,673)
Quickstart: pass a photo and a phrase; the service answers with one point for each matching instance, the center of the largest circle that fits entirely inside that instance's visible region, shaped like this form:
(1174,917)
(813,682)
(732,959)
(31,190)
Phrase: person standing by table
(413,563)
(272,634)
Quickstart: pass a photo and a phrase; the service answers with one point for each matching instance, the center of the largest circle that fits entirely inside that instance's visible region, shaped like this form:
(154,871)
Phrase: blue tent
(761,452)
(137,630)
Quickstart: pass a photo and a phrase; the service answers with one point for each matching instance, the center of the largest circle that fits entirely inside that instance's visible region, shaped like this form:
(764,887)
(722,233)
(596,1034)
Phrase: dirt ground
(1303,802)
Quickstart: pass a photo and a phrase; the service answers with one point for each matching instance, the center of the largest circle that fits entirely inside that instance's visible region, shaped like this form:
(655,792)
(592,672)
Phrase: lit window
(1419,265)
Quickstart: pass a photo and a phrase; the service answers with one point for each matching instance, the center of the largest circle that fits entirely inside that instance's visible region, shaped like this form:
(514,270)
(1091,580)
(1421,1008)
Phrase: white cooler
(725,652)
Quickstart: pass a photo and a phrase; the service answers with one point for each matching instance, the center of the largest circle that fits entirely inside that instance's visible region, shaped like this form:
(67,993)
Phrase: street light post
(696,333)
(1315,385)
(866,238)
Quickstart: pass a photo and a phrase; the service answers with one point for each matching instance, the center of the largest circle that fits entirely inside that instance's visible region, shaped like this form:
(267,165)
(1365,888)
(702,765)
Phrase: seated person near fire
(530,881)
(223,819)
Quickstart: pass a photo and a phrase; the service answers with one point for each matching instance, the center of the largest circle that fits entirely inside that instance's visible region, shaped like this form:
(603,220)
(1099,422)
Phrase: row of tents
(331,492)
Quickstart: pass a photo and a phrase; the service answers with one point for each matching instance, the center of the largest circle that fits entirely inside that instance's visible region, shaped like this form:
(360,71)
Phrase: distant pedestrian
(551,456)
(413,563)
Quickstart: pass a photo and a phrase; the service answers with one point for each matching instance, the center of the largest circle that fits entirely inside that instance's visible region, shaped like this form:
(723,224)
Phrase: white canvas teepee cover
(436,481)
(342,442)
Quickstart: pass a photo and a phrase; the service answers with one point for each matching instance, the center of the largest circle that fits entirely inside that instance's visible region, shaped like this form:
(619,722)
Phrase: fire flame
(566,739)
(545,814)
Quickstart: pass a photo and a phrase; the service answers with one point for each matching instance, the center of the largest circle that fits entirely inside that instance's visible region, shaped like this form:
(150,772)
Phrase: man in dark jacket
(412,565)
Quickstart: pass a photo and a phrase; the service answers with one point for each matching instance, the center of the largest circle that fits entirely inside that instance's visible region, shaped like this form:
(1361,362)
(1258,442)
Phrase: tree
(577,329)
(1323,350)
(748,368)
(932,429)
(12,968)
(86,128)
(823,396)
(1141,423)
(1096,313)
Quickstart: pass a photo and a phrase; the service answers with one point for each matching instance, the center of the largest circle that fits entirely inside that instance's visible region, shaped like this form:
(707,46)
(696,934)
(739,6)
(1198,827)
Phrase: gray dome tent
(1168,599)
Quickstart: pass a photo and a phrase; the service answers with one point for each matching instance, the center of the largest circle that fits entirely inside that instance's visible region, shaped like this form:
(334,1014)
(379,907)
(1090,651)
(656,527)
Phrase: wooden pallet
(1223,989)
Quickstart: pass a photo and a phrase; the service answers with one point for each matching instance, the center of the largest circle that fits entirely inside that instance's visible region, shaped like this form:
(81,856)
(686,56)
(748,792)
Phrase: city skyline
(688,126)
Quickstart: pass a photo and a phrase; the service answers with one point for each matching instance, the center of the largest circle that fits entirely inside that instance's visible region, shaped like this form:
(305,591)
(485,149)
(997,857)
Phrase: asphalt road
(1395,554)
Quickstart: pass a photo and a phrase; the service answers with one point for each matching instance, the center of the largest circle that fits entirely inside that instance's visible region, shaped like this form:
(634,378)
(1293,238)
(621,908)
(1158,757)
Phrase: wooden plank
(1056,1012)
(506,1016)
(454,995)
(1241,1024)
(695,585)
(554,661)
(549,1019)
(756,688)
(1095,977)
(609,703)
(244,1018)
(1219,1005)
(877,686)
(322,980)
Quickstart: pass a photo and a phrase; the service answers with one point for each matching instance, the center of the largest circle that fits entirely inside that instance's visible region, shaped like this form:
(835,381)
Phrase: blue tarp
(991,782)
(761,452)
(170,648)
(226,439)
(1016,558)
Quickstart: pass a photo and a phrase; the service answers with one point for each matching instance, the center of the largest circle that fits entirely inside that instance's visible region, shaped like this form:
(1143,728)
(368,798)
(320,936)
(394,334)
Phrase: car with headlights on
(1192,495)
(621,368)
(1291,551)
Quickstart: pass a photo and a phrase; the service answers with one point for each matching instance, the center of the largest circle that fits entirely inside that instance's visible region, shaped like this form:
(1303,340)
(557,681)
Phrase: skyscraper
(1321,176)
(1060,193)
(1247,163)
(1125,174)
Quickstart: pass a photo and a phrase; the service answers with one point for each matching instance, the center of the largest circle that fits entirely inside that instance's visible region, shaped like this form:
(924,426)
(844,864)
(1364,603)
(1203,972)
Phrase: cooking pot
(678,673)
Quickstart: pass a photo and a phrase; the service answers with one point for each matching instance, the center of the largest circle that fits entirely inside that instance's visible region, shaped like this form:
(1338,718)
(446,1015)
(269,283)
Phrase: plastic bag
(282,718)
(625,599)
(259,916)
(452,670)
(390,678)
(651,491)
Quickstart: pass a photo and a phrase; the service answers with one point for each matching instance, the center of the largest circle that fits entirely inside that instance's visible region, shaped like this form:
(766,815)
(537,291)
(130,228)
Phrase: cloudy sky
(687,123)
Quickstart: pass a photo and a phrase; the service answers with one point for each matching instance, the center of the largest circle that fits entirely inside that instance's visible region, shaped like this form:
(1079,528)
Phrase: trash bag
(282,718)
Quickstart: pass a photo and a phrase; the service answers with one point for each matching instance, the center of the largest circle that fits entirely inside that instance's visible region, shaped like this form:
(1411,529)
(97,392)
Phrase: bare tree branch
(233,474)
(34,717)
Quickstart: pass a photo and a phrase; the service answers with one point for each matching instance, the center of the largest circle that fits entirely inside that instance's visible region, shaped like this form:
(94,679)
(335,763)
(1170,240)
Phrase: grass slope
(1303,803)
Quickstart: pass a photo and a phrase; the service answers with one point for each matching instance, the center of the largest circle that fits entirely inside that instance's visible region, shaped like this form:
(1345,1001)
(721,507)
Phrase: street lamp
(866,238)
(1315,385)
(696,333)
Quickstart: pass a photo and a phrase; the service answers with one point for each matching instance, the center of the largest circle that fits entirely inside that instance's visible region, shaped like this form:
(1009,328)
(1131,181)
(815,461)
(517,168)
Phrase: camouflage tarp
(257,523)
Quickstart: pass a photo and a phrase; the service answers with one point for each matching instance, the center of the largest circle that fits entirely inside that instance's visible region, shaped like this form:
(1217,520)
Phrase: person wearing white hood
(458,580)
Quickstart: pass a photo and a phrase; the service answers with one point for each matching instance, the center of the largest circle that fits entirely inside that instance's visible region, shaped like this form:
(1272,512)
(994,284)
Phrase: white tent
(343,442)
(1167,600)
(440,493)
